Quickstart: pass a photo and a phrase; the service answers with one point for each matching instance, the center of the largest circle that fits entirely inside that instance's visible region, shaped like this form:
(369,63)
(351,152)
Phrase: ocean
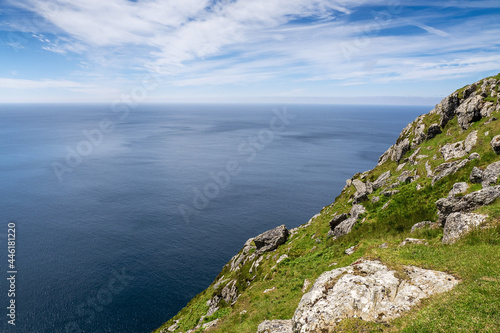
(122,215)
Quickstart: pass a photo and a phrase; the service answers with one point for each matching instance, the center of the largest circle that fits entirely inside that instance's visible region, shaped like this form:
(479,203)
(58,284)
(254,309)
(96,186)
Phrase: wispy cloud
(227,42)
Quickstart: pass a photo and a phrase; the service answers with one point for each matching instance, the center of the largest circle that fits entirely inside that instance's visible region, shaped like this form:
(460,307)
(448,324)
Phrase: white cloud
(9,83)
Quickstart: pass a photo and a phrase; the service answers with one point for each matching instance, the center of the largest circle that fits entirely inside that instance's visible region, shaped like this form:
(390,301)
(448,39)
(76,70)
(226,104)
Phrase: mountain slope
(452,148)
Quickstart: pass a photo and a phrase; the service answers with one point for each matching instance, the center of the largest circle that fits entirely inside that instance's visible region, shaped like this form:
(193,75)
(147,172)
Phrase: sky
(232,51)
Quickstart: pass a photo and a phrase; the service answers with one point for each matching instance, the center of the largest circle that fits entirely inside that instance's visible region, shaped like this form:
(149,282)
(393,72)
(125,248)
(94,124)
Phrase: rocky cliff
(412,245)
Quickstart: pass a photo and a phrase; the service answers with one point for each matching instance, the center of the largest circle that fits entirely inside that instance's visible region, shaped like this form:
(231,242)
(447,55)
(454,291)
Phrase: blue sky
(283,51)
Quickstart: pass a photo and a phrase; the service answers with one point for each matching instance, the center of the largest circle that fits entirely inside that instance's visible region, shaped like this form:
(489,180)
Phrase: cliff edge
(412,245)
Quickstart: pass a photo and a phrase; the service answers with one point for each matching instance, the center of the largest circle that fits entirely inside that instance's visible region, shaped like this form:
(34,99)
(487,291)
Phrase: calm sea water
(118,229)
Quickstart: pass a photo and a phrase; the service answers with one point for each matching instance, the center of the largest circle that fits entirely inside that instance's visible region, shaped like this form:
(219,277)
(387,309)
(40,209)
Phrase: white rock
(459,224)
(368,290)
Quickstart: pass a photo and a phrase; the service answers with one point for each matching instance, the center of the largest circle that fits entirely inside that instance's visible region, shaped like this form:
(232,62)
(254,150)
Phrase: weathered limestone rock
(275,326)
(447,169)
(230,292)
(357,210)
(470,141)
(368,290)
(490,174)
(350,250)
(401,149)
(271,239)
(474,156)
(428,169)
(476,175)
(406,177)
(213,305)
(345,227)
(420,225)
(413,241)
(281,258)
(390,193)
(337,219)
(453,150)
(458,188)
(459,149)
(459,224)
(381,180)
(469,111)
(447,108)
(467,203)
(495,144)
(419,136)
(306,285)
(210,324)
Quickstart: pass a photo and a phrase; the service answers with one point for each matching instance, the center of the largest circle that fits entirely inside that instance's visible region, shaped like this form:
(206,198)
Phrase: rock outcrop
(346,223)
(271,239)
(459,224)
(467,203)
(368,290)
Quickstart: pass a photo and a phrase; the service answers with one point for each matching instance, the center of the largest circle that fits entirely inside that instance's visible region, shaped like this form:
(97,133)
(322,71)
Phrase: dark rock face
(271,239)
(433,130)
(495,144)
(337,219)
(467,203)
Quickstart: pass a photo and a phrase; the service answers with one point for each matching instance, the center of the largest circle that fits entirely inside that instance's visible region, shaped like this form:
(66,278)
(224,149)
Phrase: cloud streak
(225,42)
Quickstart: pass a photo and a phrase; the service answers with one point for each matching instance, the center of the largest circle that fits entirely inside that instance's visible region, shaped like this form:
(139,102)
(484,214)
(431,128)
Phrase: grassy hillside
(473,306)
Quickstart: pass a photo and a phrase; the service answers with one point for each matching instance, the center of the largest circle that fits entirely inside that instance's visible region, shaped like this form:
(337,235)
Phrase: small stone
(306,285)
(474,156)
(413,241)
(269,290)
(384,246)
(350,250)
(386,205)
(275,326)
(420,225)
(283,257)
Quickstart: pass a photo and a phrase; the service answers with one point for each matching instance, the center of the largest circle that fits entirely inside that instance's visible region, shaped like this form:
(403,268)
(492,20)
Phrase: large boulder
(469,111)
(346,225)
(459,224)
(490,174)
(275,326)
(467,203)
(368,290)
(271,239)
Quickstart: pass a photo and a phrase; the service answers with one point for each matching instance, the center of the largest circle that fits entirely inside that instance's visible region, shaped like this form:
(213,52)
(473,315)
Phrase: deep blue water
(106,248)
